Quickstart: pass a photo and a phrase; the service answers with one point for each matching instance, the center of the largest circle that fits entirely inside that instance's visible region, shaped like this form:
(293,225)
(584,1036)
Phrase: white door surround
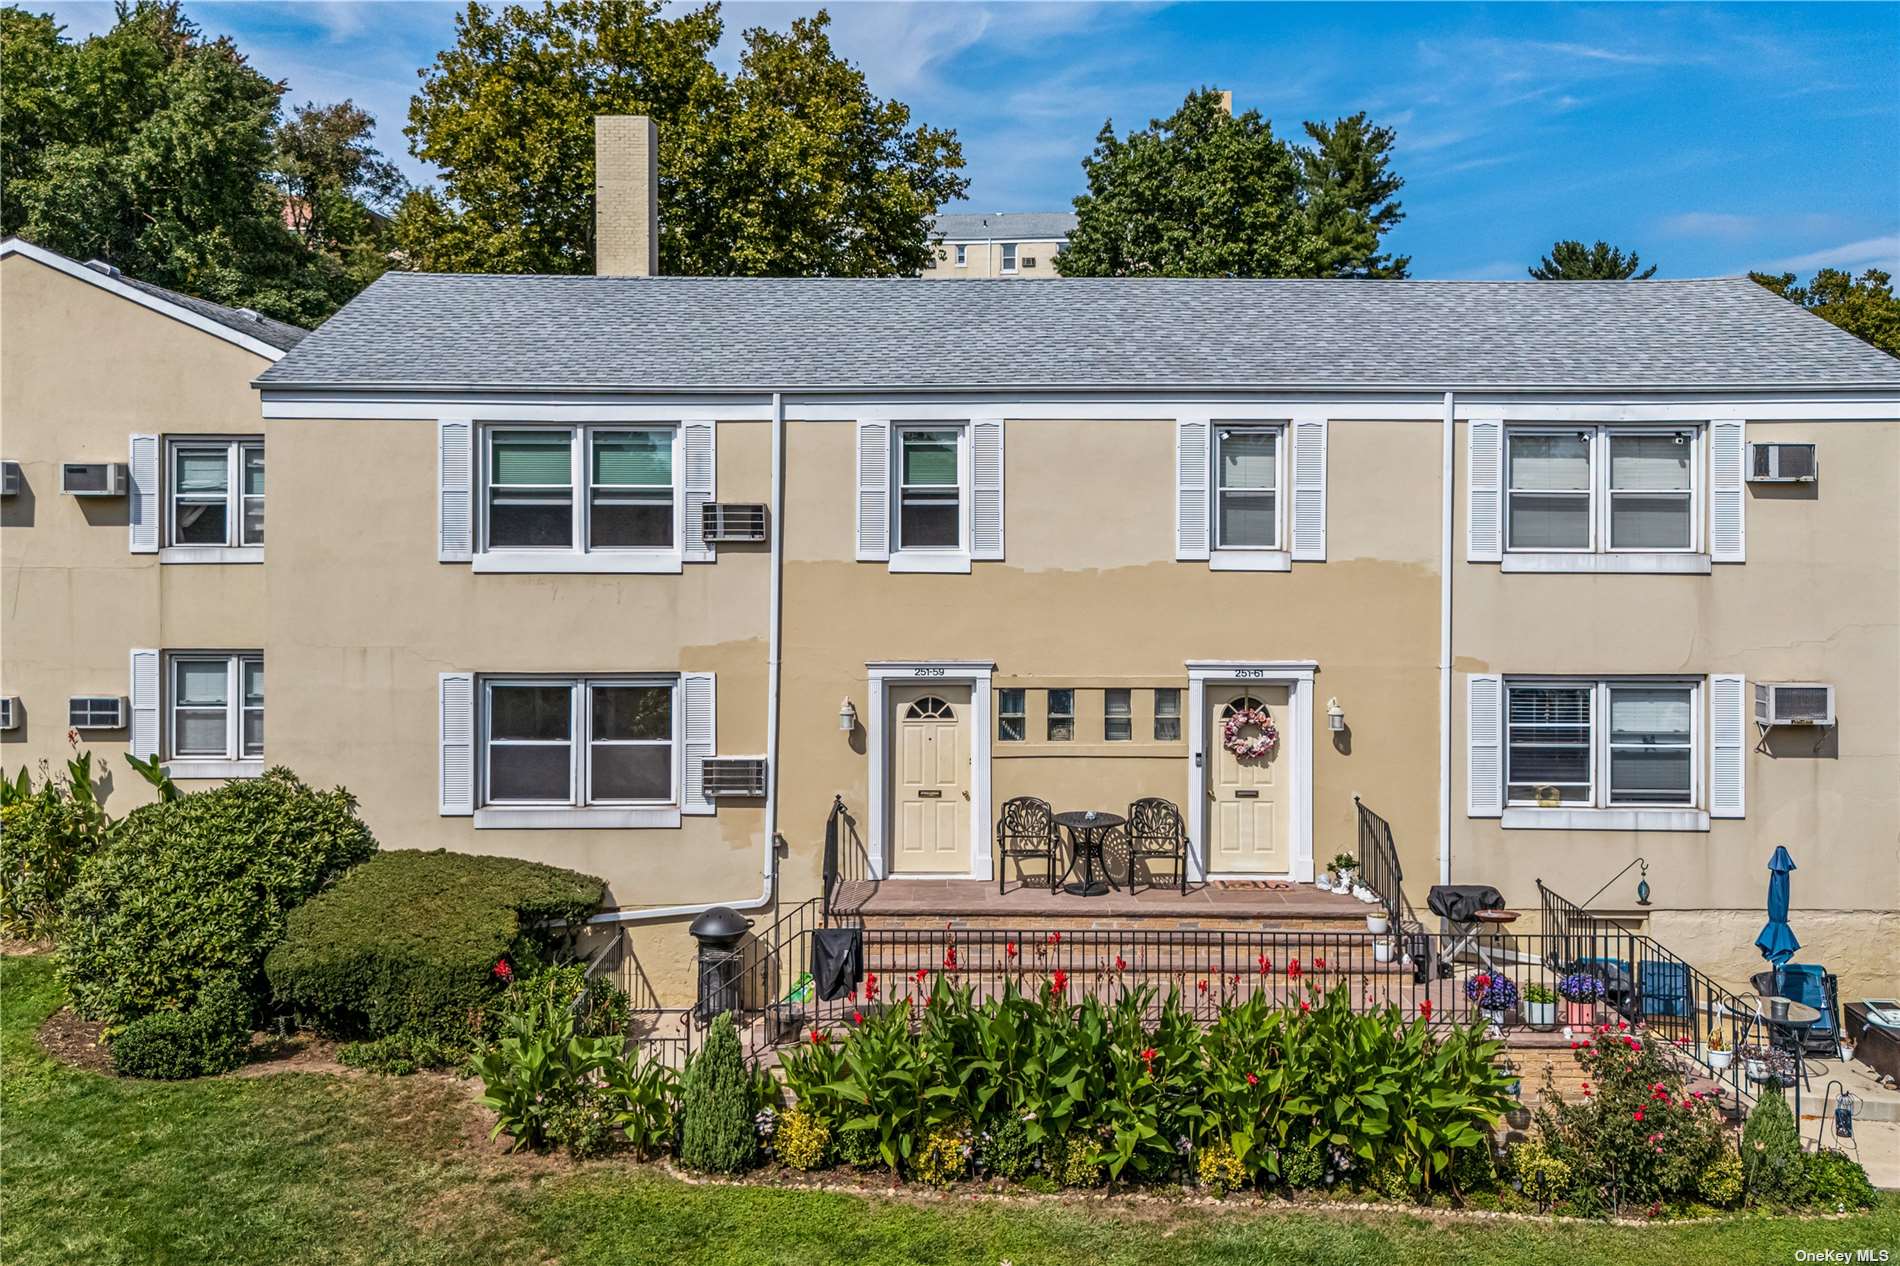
(877,746)
(1297,676)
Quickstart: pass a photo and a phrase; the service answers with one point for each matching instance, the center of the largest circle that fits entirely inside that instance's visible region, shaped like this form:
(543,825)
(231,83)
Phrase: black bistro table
(1086,829)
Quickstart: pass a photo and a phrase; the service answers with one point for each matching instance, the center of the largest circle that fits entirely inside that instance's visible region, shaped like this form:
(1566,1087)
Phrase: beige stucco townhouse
(635,574)
(1000,244)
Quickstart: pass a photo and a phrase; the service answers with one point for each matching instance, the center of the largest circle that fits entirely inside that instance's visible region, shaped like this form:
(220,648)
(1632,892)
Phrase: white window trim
(576,811)
(1599,555)
(1603,814)
(963,255)
(942,559)
(233,763)
(1224,557)
(1006,255)
(233,550)
(579,557)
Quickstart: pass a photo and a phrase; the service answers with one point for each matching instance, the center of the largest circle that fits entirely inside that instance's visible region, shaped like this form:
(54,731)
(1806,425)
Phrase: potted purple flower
(1494,995)
(1581,992)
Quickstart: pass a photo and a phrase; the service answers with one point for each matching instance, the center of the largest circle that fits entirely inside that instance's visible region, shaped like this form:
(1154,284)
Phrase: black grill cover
(1461,902)
(837,961)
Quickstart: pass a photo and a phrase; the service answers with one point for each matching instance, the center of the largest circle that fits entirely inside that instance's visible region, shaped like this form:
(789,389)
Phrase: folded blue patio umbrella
(1777,941)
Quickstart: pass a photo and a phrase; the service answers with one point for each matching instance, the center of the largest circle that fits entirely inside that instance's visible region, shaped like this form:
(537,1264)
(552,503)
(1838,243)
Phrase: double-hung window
(571,742)
(1118,718)
(963,256)
(1168,715)
(1611,743)
(1061,716)
(1601,489)
(1009,257)
(580,490)
(1247,469)
(1011,719)
(215,707)
(930,483)
(216,489)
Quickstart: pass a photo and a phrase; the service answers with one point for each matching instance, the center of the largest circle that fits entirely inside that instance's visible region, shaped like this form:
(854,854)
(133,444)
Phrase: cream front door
(1249,816)
(931,771)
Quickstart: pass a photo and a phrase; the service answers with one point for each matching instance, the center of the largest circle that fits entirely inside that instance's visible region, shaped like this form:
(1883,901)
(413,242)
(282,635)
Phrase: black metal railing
(1379,870)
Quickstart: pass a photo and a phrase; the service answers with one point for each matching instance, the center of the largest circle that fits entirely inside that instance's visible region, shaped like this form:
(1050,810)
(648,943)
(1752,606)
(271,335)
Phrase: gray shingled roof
(262,328)
(417,330)
(1032,226)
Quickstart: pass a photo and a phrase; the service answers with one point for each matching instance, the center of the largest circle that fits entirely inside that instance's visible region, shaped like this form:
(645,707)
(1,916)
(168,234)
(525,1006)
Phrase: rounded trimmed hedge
(408,942)
(197,889)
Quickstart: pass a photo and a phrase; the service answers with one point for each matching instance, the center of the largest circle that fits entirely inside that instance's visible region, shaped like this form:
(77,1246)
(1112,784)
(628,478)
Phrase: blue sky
(1713,139)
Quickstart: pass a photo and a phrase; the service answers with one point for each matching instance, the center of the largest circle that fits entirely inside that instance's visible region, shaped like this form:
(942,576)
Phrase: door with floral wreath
(1249,825)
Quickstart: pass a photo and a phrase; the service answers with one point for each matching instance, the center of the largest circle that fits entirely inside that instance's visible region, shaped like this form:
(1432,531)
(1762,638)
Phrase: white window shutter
(1728,536)
(1191,470)
(700,459)
(145,706)
(1484,734)
(1728,745)
(986,488)
(874,491)
(1484,514)
(455,490)
(1309,491)
(699,709)
(457,700)
(144,499)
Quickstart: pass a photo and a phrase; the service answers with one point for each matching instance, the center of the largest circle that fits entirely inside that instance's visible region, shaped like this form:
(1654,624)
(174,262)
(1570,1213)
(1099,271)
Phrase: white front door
(1248,809)
(930,796)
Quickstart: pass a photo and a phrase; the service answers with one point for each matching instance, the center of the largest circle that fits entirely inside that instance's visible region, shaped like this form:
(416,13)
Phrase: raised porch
(1220,905)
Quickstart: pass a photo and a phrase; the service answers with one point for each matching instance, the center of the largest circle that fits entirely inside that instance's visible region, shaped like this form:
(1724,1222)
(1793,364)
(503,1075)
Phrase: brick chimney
(626,196)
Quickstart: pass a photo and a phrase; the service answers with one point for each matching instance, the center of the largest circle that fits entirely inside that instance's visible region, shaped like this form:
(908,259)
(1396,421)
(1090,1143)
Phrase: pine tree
(1571,260)
(717,1135)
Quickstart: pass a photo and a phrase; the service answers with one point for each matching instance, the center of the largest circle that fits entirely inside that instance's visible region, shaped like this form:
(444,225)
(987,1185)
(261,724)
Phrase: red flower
(1055,938)
(870,985)
(1119,964)
(1319,964)
(1266,964)
(1009,949)
(1148,1057)
(1586,1092)
(1201,985)
(1305,1006)
(950,959)
(1586,1085)
(1637,1115)
(1252,1080)
(1059,981)
(503,972)
(1483,982)
(1425,1008)
(857,1017)
(1573,1046)
(1293,970)
(921,976)
(817,1038)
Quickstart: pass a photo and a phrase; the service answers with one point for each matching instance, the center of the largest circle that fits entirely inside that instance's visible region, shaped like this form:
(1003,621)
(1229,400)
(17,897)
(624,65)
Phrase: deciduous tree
(1865,306)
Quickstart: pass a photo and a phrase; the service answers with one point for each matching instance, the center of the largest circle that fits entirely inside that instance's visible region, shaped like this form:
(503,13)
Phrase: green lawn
(305,1167)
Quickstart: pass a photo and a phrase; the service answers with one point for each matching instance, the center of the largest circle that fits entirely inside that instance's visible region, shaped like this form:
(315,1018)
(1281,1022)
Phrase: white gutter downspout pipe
(768,871)
(1446,563)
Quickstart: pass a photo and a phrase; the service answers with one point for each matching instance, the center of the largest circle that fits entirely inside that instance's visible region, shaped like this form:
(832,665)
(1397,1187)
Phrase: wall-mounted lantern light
(847,716)
(1642,885)
(1335,716)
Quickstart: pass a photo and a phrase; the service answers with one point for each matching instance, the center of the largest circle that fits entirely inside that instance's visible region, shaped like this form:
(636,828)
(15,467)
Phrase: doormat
(1254,885)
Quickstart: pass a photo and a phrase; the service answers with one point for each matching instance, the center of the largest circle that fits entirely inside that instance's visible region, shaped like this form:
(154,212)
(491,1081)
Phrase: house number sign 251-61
(1250,672)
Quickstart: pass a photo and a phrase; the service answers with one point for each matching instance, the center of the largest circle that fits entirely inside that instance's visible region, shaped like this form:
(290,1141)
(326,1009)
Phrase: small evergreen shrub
(802,1139)
(1772,1168)
(1303,1165)
(943,1158)
(1219,1170)
(194,889)
(1079,1167)
(718,1136)
(421,943)
(858,1149)
(1836,1181)
(1542,1177)
(171,1045)
(1721,1183)
(1006,1152)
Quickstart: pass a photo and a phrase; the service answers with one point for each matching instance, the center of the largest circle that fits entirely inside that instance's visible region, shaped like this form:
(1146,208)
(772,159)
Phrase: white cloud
(1723,224)
(1881,252)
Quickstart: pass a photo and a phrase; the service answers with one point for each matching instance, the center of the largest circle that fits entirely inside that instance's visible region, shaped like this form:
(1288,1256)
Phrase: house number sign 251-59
(929,672)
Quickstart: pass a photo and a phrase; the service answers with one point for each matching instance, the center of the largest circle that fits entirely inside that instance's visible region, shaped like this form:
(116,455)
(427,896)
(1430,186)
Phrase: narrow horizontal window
(1610,743)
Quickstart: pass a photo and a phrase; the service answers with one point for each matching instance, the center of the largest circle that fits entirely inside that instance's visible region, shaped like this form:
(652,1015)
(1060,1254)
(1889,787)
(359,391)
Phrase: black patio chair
(1027,828)
(1155,831)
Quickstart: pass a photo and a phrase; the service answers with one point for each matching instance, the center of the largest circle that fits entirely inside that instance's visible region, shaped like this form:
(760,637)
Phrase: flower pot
(1757,1069)
(1541,1015)
(1493,1016)
(1382,951)
(1720,1060)
(1377,923)
(1347,878)
(1778,1008)
(1580,1015)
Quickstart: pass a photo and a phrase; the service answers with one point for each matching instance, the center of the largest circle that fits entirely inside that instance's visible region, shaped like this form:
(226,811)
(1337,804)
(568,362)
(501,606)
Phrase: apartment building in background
(635,574)
(1001,244)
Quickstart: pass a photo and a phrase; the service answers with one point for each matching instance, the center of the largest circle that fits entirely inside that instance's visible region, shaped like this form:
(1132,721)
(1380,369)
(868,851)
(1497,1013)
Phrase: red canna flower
(1425,1008)
(921,976)
(1266,964)
(950,959)
(1119,964)
(1483,981)
(870,985)
(1059,981)
(857,1017)
(1009,949)
(1586,1085)
(1252,1080)
(851,994)
(1055,938)
(503,972)
(1201,985)
(817,1037)
(1148,1057)
(1305,1006)
(1319,964)
(1293,970)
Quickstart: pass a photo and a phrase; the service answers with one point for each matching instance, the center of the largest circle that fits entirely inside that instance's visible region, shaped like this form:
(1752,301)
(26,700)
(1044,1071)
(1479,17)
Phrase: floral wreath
(1261,744)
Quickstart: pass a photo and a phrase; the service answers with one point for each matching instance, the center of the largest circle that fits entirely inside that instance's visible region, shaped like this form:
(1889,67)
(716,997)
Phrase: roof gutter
(269,385)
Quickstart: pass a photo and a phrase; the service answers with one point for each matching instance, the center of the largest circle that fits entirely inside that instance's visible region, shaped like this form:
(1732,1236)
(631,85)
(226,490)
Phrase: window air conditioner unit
(96,712)
(727,776)
(732,521)
(92,479)
(1781,464)
(9,712)
(9,479)
(1793,703)
(1029,261)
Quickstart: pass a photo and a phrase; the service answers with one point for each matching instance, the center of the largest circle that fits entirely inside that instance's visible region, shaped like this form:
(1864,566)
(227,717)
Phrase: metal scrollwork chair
(1027,828)
(1155,831)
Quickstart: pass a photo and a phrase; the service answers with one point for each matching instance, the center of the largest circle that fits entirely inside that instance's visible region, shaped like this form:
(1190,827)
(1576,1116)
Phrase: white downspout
(769,866)
(1446,563)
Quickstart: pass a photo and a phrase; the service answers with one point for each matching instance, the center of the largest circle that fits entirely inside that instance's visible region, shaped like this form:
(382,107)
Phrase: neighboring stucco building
(1001,244)
(1038,540)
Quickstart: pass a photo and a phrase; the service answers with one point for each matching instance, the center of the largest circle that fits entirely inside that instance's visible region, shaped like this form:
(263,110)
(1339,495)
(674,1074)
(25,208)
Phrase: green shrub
(46,836)
(858,1149)
(399,1054)
(1721,1183)
(411,942)
(718,1135)
(802,1139)
(197,888)
(1772,1168)
(170,1045)
(1543,1177)
(645,1097)
(1303,1165)
(1005,1150)
(1836,1181)
(1218,1169)
(582,1121)
(533,1078)
(942,1158)
(1080,1162)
